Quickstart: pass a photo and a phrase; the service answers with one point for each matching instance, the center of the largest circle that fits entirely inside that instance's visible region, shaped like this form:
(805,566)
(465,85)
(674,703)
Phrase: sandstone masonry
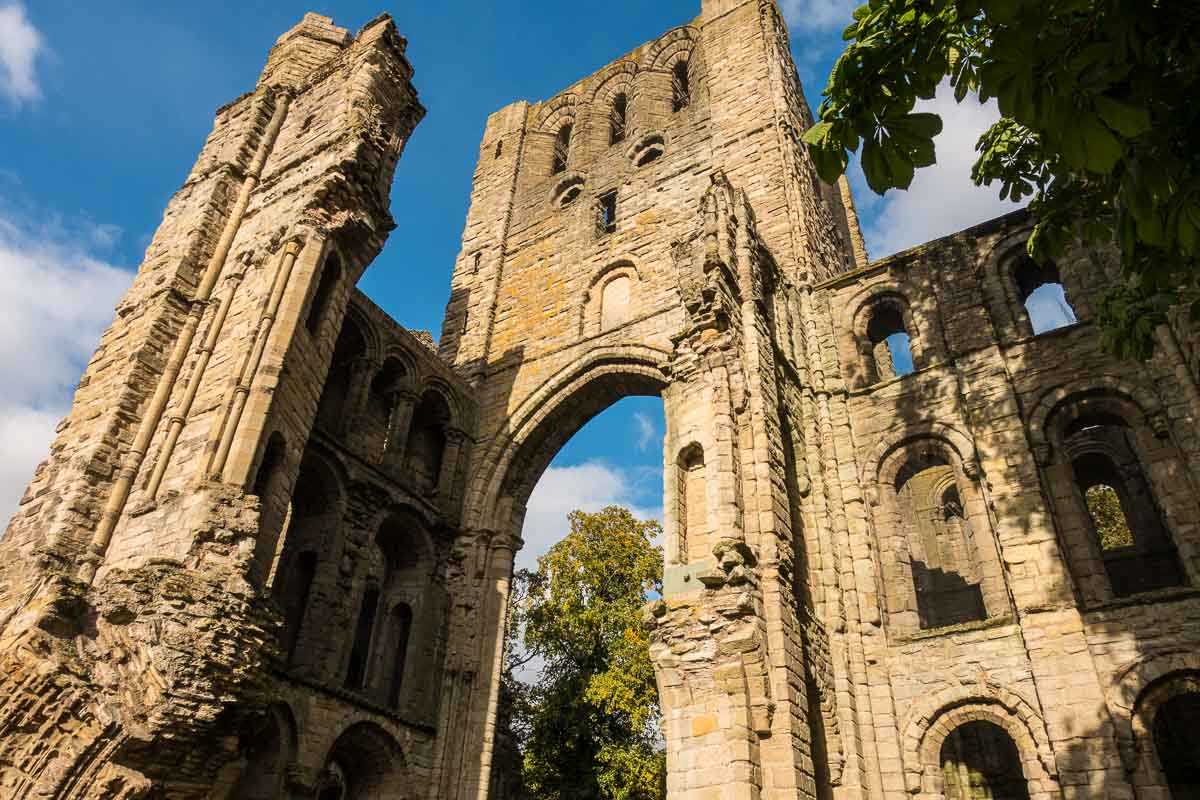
(270,552)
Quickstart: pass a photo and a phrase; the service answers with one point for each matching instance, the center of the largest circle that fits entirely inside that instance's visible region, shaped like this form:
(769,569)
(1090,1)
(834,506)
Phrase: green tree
(1099,126)
(589,727)
(1104,504)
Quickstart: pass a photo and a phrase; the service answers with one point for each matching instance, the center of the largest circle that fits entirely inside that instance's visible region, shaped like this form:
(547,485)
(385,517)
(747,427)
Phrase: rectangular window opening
(606,213)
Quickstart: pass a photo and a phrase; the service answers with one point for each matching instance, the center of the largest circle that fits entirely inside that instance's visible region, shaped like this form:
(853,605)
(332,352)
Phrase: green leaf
(1103,149)
(875,167)
(1127,120)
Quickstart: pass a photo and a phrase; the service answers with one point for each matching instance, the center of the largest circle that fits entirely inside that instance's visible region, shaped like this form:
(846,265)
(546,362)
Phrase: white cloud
(942,198)
(818,15)
(646,430)
(589,487)
(56,297)
(20,46)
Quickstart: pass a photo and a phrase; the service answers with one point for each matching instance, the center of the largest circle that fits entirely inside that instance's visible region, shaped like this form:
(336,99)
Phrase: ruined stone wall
(137,635)
(984,399)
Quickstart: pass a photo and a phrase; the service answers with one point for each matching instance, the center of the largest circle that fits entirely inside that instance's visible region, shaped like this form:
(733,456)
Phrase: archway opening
(980,761)
(945,568)
(578,595)
(1178,746)
(1128,530)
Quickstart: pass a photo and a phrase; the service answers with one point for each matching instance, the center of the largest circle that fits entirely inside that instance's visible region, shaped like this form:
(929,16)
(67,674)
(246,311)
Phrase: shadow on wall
(1021,519)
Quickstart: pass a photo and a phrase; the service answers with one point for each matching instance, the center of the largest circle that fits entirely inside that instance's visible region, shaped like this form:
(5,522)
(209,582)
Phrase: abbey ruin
(269,553)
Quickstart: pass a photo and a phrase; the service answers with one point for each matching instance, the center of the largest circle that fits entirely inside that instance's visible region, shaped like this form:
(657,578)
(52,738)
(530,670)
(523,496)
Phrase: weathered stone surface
(270,552)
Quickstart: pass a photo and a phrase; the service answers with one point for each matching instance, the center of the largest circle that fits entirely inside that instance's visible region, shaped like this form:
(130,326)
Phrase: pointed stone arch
(549,417)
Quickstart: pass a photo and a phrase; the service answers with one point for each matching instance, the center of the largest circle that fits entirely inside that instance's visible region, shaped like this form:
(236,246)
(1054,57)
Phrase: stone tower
(650,231)
(919,541)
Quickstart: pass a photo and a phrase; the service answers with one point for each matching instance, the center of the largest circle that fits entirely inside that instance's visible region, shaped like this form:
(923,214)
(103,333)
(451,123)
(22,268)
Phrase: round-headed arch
(894,450)
(1135,694)
(1097,391)
(933,719)
(672,46)
(547,419)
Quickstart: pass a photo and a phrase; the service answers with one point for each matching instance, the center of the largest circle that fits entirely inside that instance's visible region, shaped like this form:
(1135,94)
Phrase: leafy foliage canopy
(589,727)
(1099,126)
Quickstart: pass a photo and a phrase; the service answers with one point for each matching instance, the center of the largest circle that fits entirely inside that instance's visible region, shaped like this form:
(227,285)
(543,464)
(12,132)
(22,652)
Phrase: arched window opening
(1041,291)
(1137,551)
(333,783)
(331,275)
(562,149)
(267,748)
(614,302)
(944,564)
(692,519)
(383,400)
(427,440)
(364,763)
(499,149)
(617,119)
(408,566)
(356,673)
(681,88)
(401,631)
(294,599)
(1178,746)
(891,348)
(351,347)
(275,508)
(315,519)
(981,761)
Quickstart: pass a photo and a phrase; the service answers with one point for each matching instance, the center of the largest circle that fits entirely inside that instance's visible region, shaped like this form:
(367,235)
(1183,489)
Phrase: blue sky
(104,105)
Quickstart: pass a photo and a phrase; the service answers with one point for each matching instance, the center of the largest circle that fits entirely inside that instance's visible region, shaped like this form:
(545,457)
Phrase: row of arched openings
(887,344)
(1111,517)
(618,116)
(393,579)
(395,423)
(364,762)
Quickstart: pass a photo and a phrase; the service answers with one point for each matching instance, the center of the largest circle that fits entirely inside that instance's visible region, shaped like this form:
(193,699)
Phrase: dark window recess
(402,619)
(980,760)
(295,601)
(681,94)
(499,148)
(606,213)
(356,674)
(617,119)
(330,276)
(1178,747)
(562,150)
(1134,545)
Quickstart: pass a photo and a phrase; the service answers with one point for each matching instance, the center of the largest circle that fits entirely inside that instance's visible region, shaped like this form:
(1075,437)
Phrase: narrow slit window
(618,118)
(356,675)
(681,94)
(499,149)
(562,149)
(606,213)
